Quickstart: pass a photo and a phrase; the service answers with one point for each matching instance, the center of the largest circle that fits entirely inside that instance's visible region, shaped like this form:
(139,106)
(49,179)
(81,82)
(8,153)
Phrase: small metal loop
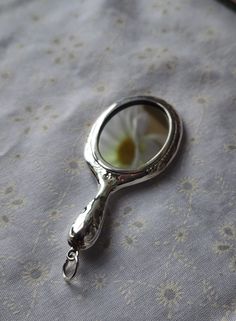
(68,271)
(72,254)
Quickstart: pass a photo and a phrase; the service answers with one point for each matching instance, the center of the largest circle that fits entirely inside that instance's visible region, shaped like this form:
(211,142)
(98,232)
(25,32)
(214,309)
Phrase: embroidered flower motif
(127,141)
(220,248)
(228,231)
(129,241)
(127,292)
(209,292)
(35,273)
(54,214)
(169,294)
(181,235)
(73,166)
(230,147)
(137,225)
(8,191)
(5,220)
(127,210)
(53,239)
(99,281)
(12,305)
(16,203)
(188,186)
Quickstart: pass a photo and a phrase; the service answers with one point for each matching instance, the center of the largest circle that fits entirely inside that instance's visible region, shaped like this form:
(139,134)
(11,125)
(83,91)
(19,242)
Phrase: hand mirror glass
(132,141)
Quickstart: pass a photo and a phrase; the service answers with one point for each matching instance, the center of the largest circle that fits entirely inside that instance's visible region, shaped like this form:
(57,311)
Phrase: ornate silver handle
(86,228)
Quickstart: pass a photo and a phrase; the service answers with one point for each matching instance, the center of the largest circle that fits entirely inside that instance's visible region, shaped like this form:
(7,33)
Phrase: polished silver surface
(87,227)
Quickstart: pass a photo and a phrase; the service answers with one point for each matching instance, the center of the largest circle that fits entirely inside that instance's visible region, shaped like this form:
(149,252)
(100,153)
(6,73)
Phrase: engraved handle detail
(87,227)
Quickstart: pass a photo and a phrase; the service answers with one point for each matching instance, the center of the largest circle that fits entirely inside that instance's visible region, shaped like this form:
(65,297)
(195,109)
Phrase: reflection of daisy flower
(129,241)
(35,273)
(232,264)
(220,248)
(181,235)
(73,166)
(188,186)
(99,281)
(169,294)
(228,231)
(130,138)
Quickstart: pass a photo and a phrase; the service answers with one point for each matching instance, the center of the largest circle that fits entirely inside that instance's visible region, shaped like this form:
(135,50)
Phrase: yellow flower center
(126,151)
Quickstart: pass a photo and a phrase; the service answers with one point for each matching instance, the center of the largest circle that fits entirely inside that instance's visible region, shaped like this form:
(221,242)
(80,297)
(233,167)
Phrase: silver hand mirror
(134,140)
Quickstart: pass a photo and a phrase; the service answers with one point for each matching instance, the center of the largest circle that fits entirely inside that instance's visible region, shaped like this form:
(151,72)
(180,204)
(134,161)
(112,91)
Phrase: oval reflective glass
(133,136)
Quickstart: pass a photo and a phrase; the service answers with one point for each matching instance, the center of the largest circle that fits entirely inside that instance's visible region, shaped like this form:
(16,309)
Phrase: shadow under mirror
(231,4)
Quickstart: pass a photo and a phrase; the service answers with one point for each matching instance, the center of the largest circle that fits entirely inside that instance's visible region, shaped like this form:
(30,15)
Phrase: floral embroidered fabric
(167,250)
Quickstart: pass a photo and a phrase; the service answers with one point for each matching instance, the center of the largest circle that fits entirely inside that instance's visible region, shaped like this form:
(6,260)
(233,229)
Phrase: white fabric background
(167,250)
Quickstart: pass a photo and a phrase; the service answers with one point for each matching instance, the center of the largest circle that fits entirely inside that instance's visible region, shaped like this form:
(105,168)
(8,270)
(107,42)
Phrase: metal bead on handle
(71,265)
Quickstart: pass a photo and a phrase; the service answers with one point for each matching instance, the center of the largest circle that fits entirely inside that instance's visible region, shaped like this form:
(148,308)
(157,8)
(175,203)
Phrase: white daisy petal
(124,142)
